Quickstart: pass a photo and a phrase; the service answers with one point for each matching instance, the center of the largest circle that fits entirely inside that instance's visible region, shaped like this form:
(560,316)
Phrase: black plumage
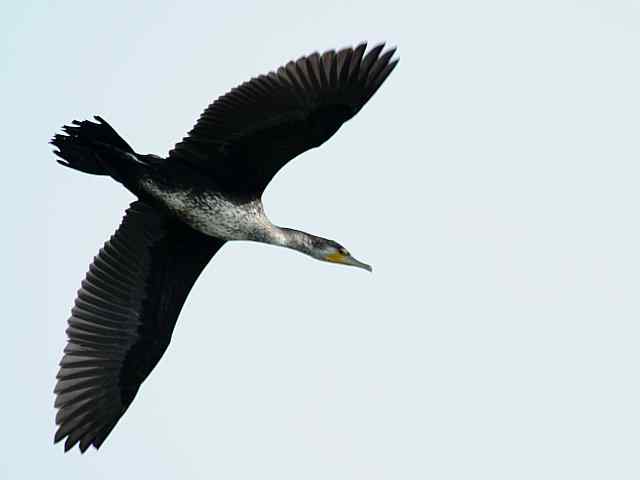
(123,319)
(128,304)
(245,137)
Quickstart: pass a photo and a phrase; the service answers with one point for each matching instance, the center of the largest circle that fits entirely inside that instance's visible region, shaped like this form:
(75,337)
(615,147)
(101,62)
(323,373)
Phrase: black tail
(87,146)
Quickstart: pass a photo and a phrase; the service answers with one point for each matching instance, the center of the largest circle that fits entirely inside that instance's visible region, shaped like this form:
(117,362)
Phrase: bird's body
(211,212)
(206,192)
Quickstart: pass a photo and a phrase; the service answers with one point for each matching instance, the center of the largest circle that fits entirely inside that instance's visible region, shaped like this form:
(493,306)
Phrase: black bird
(206,192)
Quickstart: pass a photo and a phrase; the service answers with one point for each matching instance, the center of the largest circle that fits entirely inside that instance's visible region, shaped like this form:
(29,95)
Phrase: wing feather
(123,319)
(245,137)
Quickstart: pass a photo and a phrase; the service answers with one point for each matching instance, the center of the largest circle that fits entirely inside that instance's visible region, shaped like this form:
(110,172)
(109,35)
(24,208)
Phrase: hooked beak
(348,260)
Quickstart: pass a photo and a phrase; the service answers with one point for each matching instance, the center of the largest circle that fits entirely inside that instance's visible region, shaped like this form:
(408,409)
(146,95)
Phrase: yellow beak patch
(336,257)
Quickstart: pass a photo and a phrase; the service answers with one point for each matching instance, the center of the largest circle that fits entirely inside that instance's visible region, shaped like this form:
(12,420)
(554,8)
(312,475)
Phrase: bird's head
(317,247)
(330,251)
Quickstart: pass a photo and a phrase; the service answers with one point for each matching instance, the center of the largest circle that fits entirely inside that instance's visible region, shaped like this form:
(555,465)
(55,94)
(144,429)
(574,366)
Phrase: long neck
(290,238)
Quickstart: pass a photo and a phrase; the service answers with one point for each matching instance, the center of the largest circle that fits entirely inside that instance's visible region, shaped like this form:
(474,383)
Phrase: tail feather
(84,145)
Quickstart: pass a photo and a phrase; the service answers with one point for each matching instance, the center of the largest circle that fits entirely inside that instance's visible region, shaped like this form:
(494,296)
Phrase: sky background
(492,182)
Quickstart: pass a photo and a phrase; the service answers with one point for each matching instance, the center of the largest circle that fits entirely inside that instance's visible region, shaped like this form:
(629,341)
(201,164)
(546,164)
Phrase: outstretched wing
(123,319)
(247,135)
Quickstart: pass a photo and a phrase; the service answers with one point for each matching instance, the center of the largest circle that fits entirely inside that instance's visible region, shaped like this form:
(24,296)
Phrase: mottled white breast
(213,214)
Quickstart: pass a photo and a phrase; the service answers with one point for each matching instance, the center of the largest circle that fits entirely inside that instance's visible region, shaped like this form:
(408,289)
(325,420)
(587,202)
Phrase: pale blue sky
(492,183)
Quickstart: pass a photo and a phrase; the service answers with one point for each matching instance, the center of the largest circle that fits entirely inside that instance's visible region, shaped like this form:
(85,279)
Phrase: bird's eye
(343,251)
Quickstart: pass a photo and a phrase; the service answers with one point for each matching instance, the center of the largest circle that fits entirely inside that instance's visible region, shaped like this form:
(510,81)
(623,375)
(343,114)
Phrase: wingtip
(84,447)
(393,50)
(58,436)
(383,46)
(386,49)
(68,445)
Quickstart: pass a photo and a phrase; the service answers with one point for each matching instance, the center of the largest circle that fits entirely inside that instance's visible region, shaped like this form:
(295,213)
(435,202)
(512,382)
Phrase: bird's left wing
(244,137)
(123,319)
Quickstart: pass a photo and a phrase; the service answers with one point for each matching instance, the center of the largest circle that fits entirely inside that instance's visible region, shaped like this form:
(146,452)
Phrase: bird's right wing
(123,319)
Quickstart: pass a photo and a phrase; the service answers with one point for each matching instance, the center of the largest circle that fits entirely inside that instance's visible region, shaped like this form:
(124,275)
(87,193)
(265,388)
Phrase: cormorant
(206,192)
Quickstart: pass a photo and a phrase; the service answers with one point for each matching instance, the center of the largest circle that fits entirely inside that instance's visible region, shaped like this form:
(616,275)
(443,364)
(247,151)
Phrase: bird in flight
(207,191)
